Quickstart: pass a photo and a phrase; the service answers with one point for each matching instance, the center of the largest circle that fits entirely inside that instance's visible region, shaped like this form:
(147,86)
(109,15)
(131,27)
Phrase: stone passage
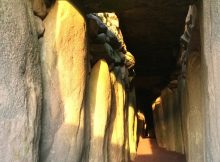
(149,151)
(68,84)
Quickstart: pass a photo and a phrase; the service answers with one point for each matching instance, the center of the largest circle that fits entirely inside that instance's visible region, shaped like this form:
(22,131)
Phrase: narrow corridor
(148,151)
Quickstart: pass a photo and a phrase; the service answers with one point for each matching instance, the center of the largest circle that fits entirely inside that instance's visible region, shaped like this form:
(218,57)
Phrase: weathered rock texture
(20,83)
(107,40)
(63,59)
(187,99)
(190,90)
(168,122)
(210,42)
(192,112)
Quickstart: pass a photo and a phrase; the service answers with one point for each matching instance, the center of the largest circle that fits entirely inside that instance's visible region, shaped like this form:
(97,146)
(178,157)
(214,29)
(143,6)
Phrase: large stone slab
(117,135)
(192,112)
(167,119)
(210,67)
(20,83)
(132,125)
(159,123)
(98,107)
(63,59)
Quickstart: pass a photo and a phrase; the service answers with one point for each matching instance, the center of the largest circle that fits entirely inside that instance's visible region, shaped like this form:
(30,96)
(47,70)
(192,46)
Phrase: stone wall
(113,138)
(190,89)
(210,43)
(186,98)
(65,94)
(192,112)
(167,121)
(64,71)
(20,83)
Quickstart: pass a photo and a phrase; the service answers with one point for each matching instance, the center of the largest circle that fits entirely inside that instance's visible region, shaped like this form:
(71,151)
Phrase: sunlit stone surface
(63,58)
(98,105)
(132,124)
(118,129)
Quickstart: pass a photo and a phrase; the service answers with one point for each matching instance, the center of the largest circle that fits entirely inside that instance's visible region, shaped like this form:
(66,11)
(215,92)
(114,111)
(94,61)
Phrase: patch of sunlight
(102,96)
(69,112)
(157,102)
(99,117)
(132,129)
(148,151)
(140,116)
(118,128)
(69,21)
(145,147)
(66,14)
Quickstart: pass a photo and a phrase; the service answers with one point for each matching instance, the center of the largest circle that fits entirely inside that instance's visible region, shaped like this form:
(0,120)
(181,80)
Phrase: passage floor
(149,151)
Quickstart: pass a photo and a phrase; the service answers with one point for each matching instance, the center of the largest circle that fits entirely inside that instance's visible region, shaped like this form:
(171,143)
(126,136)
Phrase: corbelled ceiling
(152,33)
(151,30)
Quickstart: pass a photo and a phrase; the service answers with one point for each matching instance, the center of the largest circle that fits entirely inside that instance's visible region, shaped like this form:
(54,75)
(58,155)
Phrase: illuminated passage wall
(67,90)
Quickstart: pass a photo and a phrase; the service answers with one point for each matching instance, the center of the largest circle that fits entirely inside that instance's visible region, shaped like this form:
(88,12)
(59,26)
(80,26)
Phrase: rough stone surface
(102,51)
(167,119)
(63,59)
(20,83)
(98,105)
(192,112)
(39,26)
(95,25)
(113,32)
(210,67)
(107,44)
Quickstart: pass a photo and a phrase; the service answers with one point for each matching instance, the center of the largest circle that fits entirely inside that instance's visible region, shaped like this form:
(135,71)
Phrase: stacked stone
(106,40)
(113,111)
(186,38)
